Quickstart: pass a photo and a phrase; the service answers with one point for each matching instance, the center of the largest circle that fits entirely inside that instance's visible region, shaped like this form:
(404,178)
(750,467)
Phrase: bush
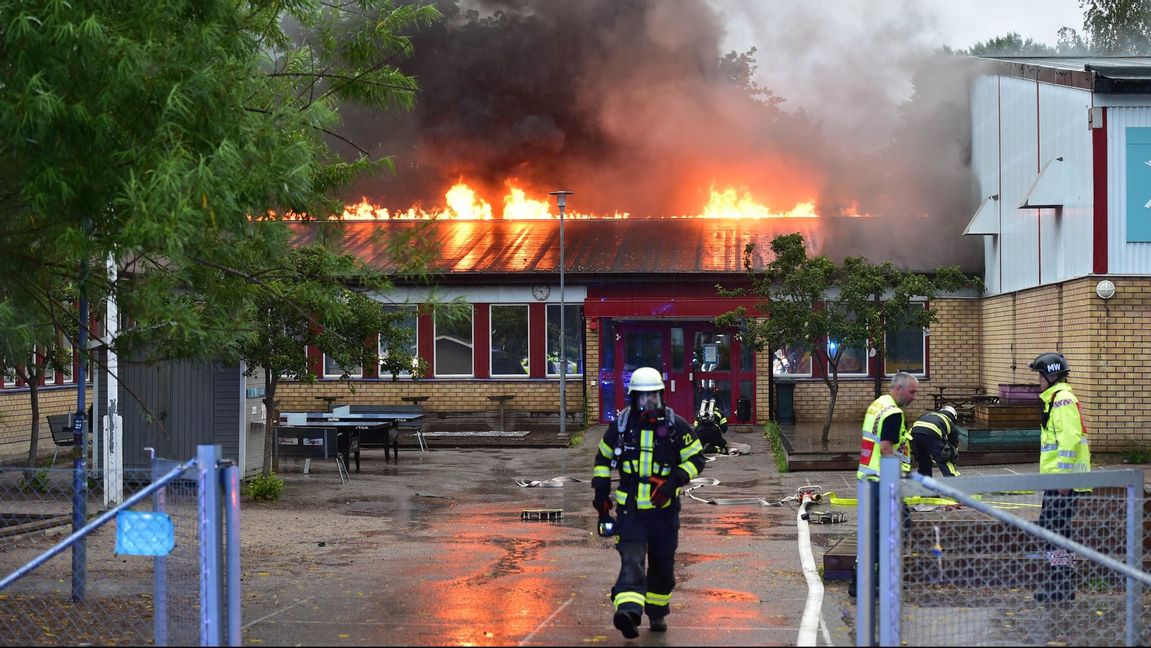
(264,488)
(1136,455)
(37,481)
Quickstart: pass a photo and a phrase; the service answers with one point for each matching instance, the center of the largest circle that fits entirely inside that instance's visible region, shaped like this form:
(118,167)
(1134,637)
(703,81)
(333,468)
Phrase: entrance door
(662,348)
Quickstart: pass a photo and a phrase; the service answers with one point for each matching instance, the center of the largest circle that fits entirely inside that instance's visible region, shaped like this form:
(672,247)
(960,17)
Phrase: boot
(658,625)
(627,623)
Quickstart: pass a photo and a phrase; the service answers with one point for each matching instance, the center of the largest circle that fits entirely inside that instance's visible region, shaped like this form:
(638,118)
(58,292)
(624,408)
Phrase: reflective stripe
(658,599)
(1049,447)
(605,450)
(628,597)
(602,471)
(870,437)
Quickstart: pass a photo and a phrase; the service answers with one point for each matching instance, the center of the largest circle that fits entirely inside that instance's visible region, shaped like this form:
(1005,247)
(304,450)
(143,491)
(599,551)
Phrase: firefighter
(1062,449)
(885,434)
(656,455)
(935,439)
(711,426)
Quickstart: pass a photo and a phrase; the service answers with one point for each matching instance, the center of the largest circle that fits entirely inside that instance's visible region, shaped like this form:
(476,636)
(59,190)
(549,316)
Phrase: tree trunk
(271,418)
(33,445)
(833,389)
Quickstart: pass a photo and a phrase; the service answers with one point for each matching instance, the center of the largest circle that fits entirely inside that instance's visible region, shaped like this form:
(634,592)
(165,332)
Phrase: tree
(829,307)
(1010,44)
(308,302)
(1118,27)
(29,350)
(154,133)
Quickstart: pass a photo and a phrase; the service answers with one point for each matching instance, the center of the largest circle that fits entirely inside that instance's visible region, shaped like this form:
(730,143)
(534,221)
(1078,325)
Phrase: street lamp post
(561,202)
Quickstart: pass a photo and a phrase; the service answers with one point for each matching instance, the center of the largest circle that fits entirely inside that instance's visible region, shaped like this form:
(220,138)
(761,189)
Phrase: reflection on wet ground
(434,552)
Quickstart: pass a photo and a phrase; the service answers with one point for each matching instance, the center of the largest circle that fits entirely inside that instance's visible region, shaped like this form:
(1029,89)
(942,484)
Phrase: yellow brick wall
(953,359)
(16,419)
(446,395)
(591,361)
(1107,344)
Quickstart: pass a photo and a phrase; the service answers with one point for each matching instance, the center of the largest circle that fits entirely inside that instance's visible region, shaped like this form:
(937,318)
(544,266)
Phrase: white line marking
(525,640)
(280,611)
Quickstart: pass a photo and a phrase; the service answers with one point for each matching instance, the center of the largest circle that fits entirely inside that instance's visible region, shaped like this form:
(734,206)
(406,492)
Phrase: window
(852,360)
(334,370)
(794,360)
(408,317)
(509,348)
(906,349)
(453,341)
(573,339)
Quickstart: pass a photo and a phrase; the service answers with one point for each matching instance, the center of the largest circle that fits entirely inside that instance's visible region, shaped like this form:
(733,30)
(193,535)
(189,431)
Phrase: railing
(1012,559)
(187,593)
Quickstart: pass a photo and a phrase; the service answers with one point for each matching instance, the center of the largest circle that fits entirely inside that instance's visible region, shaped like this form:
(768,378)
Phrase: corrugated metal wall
(985,164)
(1018,126)
(196,402)
(1123,257)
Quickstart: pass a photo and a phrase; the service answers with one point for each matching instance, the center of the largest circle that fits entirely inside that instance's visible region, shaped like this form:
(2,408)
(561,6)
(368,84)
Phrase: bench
(62,434)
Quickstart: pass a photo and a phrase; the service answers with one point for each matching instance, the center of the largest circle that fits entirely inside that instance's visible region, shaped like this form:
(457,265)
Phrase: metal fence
(154,568)
(1004,560)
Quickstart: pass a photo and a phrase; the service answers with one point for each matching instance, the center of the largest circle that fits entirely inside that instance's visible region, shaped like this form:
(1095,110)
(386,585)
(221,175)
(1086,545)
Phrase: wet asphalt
(433,550)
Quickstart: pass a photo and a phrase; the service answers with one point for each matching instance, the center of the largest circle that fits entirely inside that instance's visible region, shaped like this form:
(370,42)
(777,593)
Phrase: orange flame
(462,202)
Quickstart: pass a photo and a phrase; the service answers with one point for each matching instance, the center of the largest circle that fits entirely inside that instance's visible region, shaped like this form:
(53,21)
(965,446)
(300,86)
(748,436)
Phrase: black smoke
(632,105)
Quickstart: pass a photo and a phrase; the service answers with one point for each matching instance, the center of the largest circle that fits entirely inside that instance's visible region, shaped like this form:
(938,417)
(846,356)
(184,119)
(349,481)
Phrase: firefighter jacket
(667,451)
(1063,437)
(937,424)
(869,454)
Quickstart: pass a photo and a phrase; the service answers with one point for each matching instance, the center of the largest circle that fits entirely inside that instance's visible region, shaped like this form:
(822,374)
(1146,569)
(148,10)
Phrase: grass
(772,433)
(1136,455)
(576,439)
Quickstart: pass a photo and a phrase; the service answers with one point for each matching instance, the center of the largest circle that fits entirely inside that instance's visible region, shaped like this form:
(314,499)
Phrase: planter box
(1008,416)
(1018,394)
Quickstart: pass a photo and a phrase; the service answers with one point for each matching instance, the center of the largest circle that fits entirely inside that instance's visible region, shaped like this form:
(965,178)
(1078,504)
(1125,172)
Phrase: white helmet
(645,379)
(950,411)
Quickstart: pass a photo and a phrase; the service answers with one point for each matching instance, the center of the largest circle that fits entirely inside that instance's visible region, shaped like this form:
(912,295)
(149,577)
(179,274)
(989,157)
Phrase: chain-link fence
(142,567)
(1011,560)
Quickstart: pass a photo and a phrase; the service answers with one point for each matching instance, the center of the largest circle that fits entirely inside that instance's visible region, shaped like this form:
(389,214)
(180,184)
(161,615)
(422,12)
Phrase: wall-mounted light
(1105,289)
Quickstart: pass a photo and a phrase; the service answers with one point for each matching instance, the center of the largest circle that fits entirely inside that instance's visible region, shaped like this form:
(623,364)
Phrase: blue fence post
(211,607)
(890,545)
(159,565)
(232,508)
(1134,626)
(865,563)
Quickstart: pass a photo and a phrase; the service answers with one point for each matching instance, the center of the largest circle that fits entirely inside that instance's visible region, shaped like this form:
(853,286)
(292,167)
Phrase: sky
(964,22)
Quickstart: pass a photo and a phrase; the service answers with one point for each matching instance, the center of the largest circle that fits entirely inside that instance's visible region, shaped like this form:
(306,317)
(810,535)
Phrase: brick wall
(953,359)
(1107,344)
(446,395)
(16,419)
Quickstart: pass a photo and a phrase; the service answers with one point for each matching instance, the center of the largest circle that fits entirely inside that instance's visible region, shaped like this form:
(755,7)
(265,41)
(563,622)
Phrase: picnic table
(963,398)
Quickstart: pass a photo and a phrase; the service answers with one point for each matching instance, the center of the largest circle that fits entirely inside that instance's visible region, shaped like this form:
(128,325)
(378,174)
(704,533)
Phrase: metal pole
(79,449)
(890,545)
(159,564)
(232,551)
(1134,626)
(211,610)
(865,552)
(561,202)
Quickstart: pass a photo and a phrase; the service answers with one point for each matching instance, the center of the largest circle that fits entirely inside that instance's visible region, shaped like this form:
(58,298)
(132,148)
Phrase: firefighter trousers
(650,537)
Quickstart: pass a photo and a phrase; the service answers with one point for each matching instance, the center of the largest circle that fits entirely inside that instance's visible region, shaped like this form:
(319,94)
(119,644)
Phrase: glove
(949,454)
(664,490)
(601,503)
